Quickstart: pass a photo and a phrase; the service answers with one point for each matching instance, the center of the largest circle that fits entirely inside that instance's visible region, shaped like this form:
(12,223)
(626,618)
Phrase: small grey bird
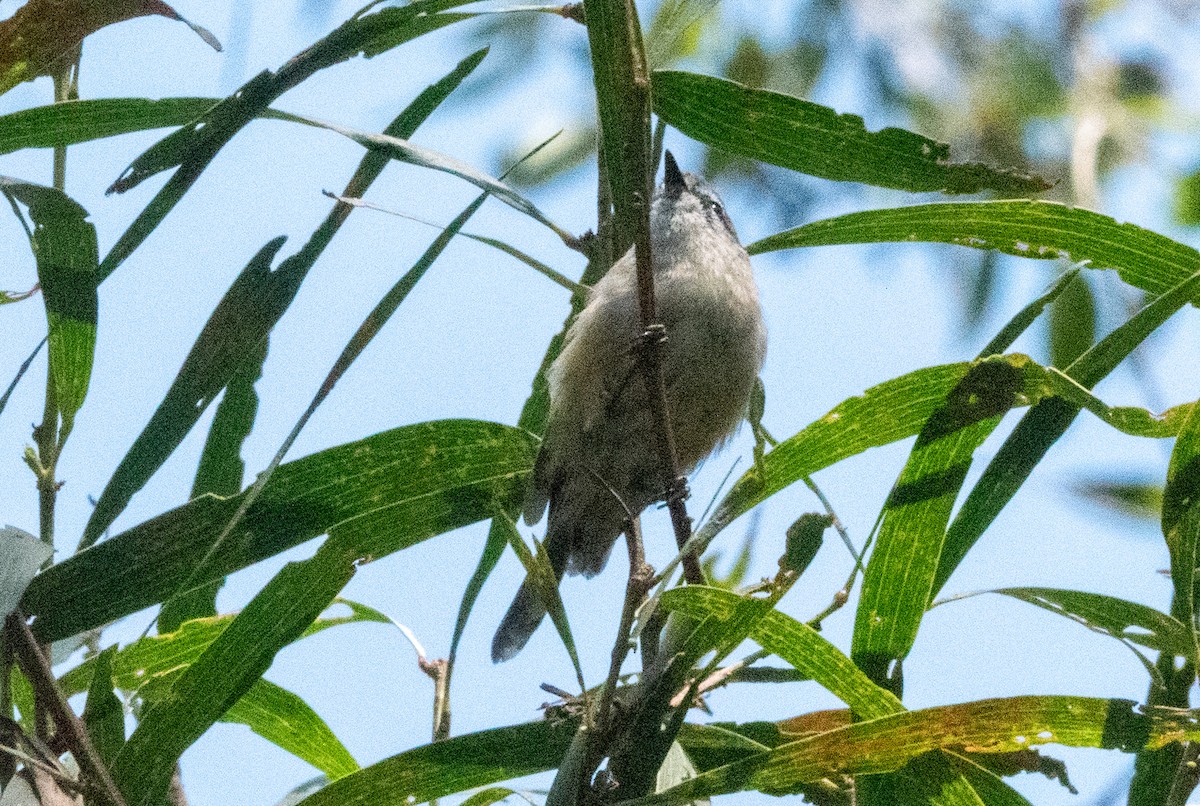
(599,463)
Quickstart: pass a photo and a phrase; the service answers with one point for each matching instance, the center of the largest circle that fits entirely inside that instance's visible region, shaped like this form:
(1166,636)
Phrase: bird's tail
(527,609)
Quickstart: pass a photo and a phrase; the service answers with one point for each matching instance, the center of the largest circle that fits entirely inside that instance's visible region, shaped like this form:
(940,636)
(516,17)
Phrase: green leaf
(1181,521)
(219,353)
(39,35)
(488,796)
(1044,424)
(1128,622)
(792,133)
(493,550)
(194,146)
(1027,315)
(1072,323)
(795,642)
(64,244)
(987,726)
(287,721)
(21,555)
(899,576)
(103,714)
(228,668)
(453,765)
(1034,229)
(150,666)
(891,411)
(384,493)
(541,572)
(231,339)
(220,472)
(81,121)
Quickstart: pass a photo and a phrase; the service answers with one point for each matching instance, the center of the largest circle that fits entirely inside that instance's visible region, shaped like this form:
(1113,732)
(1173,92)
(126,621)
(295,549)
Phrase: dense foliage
(637,737)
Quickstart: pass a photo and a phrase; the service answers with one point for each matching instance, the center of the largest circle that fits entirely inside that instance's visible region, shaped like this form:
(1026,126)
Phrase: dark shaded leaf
(453,765)
(64,244)
(793,133)
(104,714)
(1142,500)
(231,339)
(1072,323)
(220,472)
(384,493)
(37,38)
(228,668)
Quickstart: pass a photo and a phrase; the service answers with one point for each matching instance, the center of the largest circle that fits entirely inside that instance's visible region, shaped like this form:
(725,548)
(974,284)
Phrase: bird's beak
(672,176)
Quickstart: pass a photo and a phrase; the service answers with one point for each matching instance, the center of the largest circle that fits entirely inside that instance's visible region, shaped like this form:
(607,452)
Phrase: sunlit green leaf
(227,669)
(384,493)
(793,133)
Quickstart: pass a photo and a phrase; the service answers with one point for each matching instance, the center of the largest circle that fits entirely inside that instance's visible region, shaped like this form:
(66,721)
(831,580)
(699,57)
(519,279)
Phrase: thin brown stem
(641,577)
(36,667)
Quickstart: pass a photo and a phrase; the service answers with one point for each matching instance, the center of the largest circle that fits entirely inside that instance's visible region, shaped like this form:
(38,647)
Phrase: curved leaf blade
(1040,230)
(227,669)
(230,339)
(792,133)
(453,765)
(382,494)
(64,245)
(795,642)
(287,721)
(986,726)
(1120,618)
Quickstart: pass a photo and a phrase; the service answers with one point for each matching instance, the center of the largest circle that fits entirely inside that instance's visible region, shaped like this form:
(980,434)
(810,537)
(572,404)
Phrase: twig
(640,579)
(54,772)
(37,669)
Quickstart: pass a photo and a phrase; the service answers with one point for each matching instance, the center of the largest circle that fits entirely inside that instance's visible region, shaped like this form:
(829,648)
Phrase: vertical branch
(623,97)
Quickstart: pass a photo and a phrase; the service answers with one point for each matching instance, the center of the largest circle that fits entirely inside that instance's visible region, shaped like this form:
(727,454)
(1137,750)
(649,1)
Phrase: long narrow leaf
(208,688)
(287,721)
(237,328)
(793,133)
(1044,424)
(194,146)
(81,121)
(64,244)
(385,492)
(1032,229)
(795,642)
(987,726)
(454,765)
(899,576)
(231,337)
